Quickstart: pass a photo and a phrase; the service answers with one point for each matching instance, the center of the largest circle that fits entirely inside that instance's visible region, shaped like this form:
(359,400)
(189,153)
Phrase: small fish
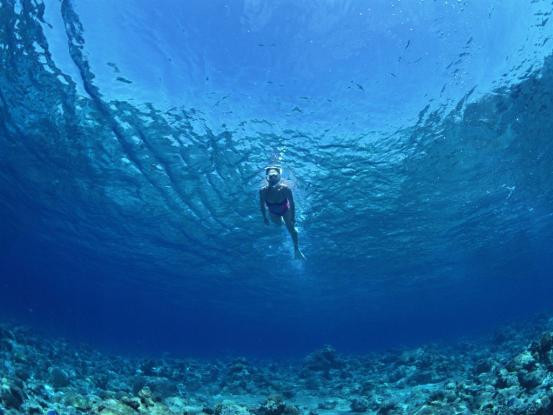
(222,99)
(408,43)
(114,66)
(393,74)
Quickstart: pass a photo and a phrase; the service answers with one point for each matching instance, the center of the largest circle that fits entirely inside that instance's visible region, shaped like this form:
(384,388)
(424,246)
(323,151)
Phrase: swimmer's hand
(298,255)
(266,221)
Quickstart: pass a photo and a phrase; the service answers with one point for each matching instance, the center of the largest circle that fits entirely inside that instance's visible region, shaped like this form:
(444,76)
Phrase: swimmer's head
(273,174)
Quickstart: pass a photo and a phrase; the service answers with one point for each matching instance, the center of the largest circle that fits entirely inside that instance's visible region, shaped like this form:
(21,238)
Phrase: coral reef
(511,372)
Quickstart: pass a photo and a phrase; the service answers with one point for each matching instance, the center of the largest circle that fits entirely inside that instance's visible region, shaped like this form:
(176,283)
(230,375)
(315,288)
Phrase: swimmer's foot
(298,255)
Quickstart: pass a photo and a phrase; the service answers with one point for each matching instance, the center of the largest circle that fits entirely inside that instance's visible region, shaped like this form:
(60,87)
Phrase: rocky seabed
(510,372)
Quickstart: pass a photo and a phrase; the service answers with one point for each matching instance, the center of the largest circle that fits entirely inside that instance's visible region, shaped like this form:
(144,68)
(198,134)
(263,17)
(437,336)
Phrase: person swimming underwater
(278,199)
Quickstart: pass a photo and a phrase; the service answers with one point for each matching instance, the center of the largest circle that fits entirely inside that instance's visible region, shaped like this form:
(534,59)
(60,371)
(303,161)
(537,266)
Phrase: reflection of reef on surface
(510,372)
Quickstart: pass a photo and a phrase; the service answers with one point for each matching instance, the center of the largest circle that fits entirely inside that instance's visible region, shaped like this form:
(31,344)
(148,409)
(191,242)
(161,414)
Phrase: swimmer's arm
(290,197)
(262,205)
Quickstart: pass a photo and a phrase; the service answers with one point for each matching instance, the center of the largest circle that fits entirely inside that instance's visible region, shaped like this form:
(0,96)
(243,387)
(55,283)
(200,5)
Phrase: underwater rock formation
(323,360)
(484,376)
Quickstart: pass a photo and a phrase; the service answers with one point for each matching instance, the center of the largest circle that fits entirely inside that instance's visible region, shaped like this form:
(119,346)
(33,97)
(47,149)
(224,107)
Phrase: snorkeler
(280,202)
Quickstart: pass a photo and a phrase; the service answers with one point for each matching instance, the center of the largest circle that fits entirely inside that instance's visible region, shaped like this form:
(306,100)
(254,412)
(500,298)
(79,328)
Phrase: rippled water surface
(417,138)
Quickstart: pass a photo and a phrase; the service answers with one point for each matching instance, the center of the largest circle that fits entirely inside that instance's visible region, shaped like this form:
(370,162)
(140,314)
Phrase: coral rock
(275,406)
(323,360)
(359,405)
(11,396)
(59,378)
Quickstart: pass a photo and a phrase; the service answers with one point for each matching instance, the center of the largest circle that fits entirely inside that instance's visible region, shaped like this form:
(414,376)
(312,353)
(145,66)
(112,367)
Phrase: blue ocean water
(416,136)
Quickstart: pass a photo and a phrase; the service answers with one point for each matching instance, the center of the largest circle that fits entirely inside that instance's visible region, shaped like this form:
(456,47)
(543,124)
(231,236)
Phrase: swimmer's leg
(276,219)
(293,233)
